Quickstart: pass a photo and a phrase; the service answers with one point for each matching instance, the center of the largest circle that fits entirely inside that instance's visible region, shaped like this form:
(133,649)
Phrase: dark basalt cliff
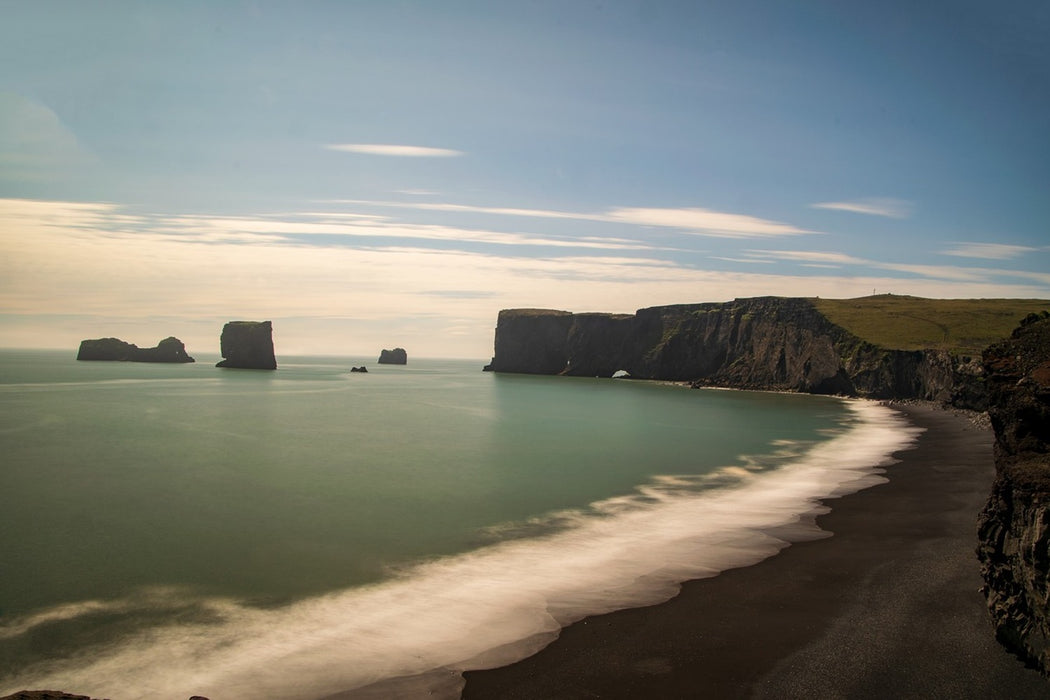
(397,356)
(1014,527)
(247,345)
(761,343)
(114,349)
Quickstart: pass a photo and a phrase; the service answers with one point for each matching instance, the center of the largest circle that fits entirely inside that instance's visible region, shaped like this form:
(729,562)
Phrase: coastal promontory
(115,350)
(1014,527)
(397,356)
(247,345)
(880,347)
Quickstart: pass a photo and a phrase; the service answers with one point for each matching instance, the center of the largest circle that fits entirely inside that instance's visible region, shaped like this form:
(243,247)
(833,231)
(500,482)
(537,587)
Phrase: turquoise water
(159,515)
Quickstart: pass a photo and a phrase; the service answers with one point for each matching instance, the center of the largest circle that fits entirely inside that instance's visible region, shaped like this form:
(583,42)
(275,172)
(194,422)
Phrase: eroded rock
(397,356)
(113,349)
(247,345)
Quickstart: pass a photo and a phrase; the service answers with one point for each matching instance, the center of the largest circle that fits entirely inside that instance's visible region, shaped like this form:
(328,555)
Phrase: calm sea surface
(169,530)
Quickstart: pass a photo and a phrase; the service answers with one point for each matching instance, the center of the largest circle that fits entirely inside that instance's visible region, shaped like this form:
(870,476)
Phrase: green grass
(962,326)
(534,313)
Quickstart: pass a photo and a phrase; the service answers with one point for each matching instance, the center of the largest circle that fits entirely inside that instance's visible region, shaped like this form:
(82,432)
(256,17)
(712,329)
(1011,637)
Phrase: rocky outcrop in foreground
(247,345)
(1014,527)
(59,695)
(775,343)
(397,356)
(114,349)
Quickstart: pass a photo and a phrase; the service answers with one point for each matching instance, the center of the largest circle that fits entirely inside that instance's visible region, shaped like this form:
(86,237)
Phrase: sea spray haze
(170,530)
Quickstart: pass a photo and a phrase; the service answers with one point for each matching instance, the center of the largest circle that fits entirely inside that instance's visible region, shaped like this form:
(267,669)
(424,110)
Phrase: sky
(377,174)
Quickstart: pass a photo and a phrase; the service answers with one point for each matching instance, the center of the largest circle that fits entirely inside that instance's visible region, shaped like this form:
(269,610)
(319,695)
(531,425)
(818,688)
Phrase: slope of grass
(962,326)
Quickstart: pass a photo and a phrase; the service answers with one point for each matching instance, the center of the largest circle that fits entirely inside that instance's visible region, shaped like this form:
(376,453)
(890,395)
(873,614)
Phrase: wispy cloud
(690,220)
(989,251)
(395,150)
(939,272)
(807,256)
(744,261)
(473,209)
(292,229)
(35,145)
(706,222)
(954,273)
(891,208)
(419,193)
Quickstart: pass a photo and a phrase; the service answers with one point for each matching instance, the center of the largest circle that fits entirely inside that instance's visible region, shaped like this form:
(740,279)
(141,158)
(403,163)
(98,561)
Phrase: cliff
(761,343)
(397,356)
(247,345)
(1014,527)
(113,349)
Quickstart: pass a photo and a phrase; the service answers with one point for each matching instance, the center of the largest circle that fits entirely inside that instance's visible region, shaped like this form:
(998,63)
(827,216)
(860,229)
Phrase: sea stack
(1014,527)
(247,345)
(116,350)
(397,356)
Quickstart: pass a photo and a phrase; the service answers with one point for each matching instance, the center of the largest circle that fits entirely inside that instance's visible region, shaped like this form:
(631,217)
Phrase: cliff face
(113,349)
(531,341)
(761,343)
(1014,527)
(247,345)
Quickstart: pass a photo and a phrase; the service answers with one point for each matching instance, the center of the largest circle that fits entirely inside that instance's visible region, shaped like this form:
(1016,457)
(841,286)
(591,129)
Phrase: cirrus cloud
(395,150)
(689,220)
(989,251)
(705,222)
(872,206)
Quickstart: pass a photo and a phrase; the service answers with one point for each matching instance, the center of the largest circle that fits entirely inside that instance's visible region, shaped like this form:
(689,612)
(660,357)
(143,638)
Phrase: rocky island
(116,350)
(247,345)
(397,356)
(1014,527)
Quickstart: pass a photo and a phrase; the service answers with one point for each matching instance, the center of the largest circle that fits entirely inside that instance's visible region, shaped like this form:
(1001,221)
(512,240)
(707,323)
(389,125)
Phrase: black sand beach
(887,607)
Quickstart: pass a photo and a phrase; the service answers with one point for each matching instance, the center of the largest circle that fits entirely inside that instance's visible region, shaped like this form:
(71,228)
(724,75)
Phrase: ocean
(171,530)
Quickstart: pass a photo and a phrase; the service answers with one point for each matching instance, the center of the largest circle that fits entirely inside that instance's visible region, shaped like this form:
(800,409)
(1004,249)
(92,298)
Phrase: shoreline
(887,606)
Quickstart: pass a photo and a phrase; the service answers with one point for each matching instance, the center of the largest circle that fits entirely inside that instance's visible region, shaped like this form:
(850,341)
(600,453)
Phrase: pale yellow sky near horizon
(74,271)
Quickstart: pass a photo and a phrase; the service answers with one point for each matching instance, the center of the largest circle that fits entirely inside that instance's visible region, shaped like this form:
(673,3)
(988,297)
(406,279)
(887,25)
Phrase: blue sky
(372,174)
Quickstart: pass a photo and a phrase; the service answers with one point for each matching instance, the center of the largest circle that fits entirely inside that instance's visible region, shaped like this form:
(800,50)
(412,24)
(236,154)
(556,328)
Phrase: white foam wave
(488,607)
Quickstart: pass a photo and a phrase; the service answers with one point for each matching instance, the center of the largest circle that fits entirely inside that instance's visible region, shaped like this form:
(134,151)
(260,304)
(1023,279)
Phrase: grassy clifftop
(961,326)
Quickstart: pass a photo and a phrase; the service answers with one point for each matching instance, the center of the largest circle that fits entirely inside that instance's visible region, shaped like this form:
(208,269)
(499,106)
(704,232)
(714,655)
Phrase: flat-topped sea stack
(397,356)
(115,350)
(882,347)
(1014,527)
(247,345)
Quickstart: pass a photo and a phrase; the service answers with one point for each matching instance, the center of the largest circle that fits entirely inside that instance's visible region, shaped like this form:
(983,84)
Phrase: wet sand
(887,607)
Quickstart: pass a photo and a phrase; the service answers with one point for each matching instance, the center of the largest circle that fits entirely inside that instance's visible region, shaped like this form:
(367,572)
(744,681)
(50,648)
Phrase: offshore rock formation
(114,349)
(247,345)
(761,343)
(397,356)
(1014,527)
